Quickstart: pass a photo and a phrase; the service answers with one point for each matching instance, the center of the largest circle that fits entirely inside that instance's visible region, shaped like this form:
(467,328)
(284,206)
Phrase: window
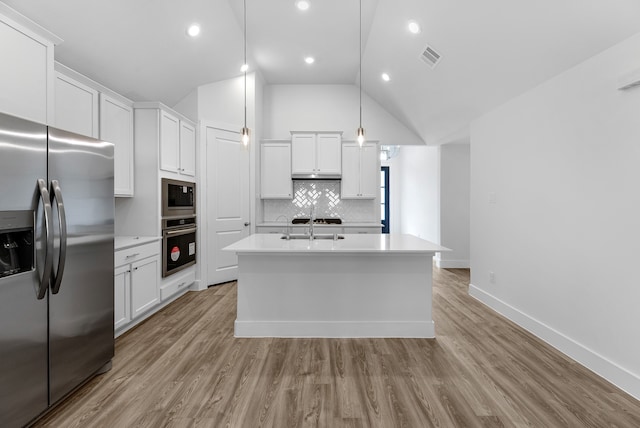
(384,198)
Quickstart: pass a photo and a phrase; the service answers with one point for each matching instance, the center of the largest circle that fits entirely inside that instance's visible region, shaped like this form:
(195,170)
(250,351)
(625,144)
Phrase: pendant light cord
(360,30)
(245,61)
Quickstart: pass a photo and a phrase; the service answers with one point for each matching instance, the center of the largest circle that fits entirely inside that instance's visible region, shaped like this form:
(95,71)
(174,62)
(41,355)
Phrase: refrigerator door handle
(56,278)
(41,291)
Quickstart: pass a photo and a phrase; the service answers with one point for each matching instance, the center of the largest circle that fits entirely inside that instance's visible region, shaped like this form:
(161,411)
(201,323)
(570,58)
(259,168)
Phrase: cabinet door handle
(135,268)
(132,255)
(41,291)
(62,221)
(246,223)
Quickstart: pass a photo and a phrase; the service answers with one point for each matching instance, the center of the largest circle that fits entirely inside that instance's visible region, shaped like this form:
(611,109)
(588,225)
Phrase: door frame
(202,270)
(387,192)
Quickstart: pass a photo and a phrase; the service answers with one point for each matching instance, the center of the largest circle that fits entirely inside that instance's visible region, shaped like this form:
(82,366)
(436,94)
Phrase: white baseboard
(417,329)
(619,376)
(453,264)
(198,285)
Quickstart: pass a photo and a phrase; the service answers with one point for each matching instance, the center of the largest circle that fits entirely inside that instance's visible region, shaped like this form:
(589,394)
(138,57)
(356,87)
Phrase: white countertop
(123,242)
(352,243)
(344,224)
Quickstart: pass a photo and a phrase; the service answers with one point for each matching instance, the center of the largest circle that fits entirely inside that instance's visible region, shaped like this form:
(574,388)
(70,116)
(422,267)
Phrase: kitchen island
(365,285)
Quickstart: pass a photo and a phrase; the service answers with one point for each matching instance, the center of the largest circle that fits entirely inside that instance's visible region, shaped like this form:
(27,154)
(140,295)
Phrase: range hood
(316,176)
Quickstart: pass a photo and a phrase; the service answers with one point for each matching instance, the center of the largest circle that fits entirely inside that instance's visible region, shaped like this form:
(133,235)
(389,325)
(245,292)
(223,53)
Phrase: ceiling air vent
(431,56)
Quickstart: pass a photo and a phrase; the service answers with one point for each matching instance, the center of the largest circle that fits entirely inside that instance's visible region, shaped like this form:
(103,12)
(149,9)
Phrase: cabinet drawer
(328,229)
(362,229)
(271,229)
(177,284)
(139,252)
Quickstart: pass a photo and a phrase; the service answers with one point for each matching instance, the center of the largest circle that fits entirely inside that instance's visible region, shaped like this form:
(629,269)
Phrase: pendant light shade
(360,137)
(245,131)
(245,136)
(360,131)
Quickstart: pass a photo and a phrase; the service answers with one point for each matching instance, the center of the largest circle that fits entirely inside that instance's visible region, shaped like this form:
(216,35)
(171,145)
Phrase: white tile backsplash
(325,194)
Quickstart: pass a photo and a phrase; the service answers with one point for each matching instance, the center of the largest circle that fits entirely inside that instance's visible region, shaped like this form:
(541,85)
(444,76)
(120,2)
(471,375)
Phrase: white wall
(329,108)
(188,106)
(454,205)
(223,102)
(562,165)
(419,174)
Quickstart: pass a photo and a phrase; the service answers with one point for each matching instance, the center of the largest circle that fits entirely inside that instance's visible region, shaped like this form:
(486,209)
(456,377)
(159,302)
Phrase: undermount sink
(305,220)
(333,236)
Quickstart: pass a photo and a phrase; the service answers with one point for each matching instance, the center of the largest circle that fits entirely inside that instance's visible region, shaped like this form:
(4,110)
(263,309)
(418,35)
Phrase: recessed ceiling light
(244,67)
(386,77)
(303,4)
(309,60)
(414,27)
(193,30)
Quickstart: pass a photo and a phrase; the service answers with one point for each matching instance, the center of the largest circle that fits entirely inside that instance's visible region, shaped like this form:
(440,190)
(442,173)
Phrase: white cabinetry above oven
(177,145)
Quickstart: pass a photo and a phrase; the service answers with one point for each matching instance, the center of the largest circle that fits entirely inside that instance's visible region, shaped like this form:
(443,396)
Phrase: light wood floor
(184,368)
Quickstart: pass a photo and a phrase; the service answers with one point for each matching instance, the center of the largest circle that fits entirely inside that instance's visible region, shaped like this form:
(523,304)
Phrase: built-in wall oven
(179,227)
(178,244)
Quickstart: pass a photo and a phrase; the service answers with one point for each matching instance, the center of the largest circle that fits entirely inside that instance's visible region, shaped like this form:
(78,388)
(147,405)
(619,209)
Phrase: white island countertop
(352,243)
(320,225)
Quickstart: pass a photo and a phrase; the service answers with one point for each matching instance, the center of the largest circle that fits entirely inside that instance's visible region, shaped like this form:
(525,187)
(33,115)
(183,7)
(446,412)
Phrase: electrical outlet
(492,277)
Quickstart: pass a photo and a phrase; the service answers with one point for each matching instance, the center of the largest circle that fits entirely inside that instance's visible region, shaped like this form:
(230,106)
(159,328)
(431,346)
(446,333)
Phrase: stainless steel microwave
(178,198)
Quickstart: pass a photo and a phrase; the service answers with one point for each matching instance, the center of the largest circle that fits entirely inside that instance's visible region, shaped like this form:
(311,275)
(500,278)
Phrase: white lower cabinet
(122,297)
(136,284)
(177,282)
(319,229)
(144,285)
(364,230)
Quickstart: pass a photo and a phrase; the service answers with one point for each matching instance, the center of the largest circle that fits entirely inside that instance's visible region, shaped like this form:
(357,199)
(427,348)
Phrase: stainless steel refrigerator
(56,265)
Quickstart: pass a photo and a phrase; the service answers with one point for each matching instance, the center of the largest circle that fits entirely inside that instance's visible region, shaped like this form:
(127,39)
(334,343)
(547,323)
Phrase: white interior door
(228,201)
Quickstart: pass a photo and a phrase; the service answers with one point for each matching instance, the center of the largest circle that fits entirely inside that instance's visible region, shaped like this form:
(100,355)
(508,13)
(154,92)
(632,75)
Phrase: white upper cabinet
(169,142)
(275,170)
(329,153)
(187,149)
(369,171)
(360,171)
(116,126)
(350,184)
(76,106)
(315,154)
(177,145)
(27,73)
(303,154)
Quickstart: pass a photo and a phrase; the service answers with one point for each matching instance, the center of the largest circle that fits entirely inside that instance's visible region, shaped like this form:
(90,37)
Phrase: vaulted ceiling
(491,50)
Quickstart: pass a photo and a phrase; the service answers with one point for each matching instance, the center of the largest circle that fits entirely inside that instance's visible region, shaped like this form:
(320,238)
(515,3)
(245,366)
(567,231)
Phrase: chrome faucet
(312,215)
(287,235)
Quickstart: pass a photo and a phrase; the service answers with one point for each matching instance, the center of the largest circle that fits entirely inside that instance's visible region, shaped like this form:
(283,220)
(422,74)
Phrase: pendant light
(245,130)
(360,132)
